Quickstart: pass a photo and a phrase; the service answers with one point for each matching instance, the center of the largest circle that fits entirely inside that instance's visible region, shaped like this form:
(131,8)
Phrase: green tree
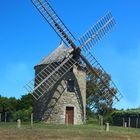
(12,108)
(7,107)
(25,102)
(96,91)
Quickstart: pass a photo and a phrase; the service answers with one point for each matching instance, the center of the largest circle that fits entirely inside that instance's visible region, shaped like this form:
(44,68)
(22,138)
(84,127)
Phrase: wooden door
(69,119)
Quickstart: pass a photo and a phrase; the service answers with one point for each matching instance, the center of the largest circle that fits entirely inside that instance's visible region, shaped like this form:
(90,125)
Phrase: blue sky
(25,38)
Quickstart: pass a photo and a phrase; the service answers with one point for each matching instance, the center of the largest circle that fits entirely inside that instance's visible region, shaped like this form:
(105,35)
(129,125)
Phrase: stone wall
(51,108)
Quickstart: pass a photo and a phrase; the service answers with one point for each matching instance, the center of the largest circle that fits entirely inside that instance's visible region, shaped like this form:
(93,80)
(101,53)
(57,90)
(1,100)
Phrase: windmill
(67,61)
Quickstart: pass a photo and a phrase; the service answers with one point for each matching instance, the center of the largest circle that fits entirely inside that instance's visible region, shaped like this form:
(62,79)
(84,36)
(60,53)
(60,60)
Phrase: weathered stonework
(51,108)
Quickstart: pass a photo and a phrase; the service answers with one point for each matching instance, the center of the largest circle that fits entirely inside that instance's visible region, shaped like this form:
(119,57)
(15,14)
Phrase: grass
(42,131)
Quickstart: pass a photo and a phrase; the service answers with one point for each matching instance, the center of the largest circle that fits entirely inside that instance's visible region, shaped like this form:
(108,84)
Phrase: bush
(24,115)
(92,120)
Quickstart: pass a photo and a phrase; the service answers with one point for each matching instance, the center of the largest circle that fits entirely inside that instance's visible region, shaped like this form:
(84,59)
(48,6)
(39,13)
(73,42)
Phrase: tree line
(12,109)
(130,116)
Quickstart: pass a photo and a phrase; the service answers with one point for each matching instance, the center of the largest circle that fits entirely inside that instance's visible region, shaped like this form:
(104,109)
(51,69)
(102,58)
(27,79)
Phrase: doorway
(69,118)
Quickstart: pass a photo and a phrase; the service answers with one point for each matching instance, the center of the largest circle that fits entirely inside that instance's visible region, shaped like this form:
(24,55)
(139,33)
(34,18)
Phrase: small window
(70,85)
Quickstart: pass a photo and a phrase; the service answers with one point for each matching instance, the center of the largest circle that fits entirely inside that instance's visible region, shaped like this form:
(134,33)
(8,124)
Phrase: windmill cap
(57,55)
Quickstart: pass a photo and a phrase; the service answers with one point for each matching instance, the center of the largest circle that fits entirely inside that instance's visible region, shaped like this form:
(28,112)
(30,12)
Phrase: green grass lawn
(42,131)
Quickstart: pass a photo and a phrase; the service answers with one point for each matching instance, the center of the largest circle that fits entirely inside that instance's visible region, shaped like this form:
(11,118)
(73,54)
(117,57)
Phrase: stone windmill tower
(65,102)
(59,87)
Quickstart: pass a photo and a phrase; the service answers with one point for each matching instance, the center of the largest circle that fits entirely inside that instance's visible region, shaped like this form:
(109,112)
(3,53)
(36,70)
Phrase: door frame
(66,117)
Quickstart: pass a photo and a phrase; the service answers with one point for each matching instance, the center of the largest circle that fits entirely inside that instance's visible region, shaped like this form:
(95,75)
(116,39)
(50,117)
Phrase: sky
(26,38)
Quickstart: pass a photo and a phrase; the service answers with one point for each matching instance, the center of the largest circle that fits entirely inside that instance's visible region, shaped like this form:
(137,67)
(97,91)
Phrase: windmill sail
(49,76)
(96,33)
(57,64)
(55,22)
(53,72)
(106,87)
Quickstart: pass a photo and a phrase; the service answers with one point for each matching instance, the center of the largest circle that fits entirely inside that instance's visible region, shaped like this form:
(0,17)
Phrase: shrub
(24,115)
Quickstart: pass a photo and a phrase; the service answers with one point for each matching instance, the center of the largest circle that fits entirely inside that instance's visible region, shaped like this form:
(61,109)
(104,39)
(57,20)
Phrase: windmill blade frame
(46,10)
(93,65)
(47,79)
(96,33)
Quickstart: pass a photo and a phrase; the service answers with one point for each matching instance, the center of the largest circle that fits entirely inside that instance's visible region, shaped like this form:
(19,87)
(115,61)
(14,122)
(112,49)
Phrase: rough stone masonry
(52,107)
